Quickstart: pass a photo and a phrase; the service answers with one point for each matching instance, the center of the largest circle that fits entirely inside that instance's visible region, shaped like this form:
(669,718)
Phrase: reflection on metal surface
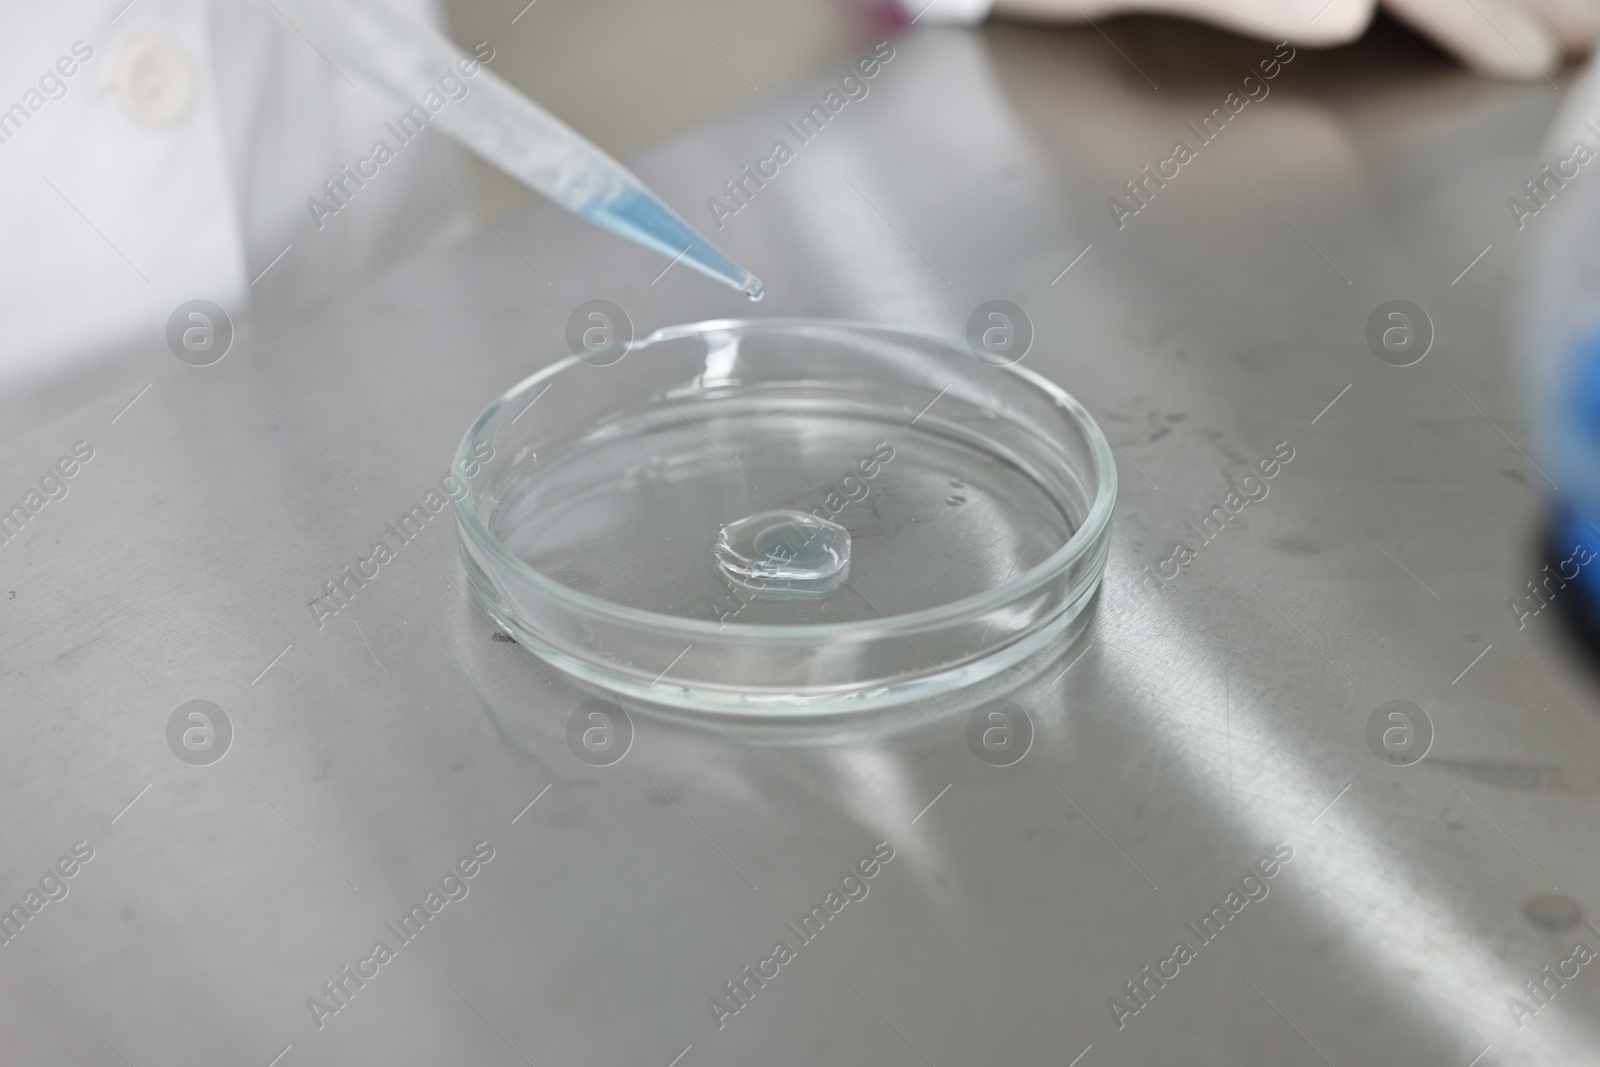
(1193,729)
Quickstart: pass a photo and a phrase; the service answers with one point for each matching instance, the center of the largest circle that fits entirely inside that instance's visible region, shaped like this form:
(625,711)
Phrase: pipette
(501,124)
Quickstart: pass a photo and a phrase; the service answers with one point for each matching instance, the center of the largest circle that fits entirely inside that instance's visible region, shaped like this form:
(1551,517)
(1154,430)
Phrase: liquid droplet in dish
(784,553)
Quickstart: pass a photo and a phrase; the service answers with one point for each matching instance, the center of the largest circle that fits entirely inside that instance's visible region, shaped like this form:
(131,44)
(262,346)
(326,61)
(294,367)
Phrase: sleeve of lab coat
(176,162)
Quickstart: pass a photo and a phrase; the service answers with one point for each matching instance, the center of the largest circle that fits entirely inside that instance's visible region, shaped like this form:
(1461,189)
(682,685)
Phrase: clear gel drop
(784,553)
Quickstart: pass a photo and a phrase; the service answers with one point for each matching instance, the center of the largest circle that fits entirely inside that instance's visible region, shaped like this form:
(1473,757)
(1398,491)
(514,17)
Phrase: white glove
(1519,39)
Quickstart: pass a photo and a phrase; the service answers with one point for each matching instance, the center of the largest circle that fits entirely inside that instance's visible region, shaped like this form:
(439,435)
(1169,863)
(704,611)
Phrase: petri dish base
(928,519)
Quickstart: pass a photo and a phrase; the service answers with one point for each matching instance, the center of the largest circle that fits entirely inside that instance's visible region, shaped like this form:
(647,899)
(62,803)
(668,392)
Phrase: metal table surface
(1184,737)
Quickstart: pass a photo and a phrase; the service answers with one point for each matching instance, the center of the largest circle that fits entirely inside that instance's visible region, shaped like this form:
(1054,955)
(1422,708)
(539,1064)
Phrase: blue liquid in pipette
(511,131)
(638,215)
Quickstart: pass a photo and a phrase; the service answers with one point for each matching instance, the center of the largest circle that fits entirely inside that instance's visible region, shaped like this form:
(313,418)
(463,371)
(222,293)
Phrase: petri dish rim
(1083,540)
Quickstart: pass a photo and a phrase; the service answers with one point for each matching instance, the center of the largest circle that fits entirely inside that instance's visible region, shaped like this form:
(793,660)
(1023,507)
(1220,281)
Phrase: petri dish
(784,517)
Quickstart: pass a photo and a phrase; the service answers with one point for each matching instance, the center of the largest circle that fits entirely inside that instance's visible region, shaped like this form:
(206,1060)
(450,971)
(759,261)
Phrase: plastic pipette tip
(754,289)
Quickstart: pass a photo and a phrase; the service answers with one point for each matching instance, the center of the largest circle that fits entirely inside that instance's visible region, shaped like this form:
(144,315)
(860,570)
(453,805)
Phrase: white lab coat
(161,151)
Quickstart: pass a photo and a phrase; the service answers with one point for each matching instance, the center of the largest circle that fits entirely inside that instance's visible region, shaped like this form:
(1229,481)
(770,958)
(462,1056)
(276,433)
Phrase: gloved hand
(1518,39)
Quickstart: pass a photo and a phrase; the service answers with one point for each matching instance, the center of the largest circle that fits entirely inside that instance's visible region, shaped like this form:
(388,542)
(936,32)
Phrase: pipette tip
(754,289)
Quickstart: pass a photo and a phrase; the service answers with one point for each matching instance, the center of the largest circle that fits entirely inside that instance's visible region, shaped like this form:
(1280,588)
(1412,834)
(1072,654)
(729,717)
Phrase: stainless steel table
(1191,734)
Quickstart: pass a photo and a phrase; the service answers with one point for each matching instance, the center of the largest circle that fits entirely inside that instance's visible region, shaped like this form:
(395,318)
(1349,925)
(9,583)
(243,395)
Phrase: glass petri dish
(616,500)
